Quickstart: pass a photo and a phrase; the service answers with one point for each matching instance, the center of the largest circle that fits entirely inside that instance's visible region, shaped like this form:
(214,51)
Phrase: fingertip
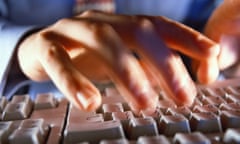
(186,95)
(208,71)
(146,102)
(88,101)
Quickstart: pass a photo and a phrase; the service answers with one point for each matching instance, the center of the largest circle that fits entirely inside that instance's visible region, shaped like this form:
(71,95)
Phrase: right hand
(74,52)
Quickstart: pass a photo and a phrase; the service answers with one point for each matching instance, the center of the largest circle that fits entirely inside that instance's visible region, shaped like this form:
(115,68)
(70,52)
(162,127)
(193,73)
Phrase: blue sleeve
(10,35)
(18,18)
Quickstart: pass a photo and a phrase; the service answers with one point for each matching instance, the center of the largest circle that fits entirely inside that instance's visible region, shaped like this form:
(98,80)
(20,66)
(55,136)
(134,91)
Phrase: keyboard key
(212,100)
(55,118)
(233,98)
(22,99)
(16,111)
(44,101)
(206,109)
(156,115)
(205,122)
(114,107)
(192,138)
(124,117)
(231,90)
(26,136)
(230,119)
(171,124)
(185,111)
(111,91)
(232,136)
(35,123)
(117,141)
(107,110)
(208,92)
(5,129)
(3,103)
(230,106)
(92,132)
(165,104)
(159,139)
(142,127)
(30,131)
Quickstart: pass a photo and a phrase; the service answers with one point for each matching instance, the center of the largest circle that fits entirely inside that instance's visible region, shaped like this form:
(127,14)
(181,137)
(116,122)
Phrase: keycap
(22,99)
(142,126)
(39,124)
(26,136)
(205,122)
(107,110)
(5,130)
(230,106)
(111,91)
(117,141)
(30,131)
(232,136)
(212,100)
(123,117)
(16,111)
(185,111)
(44,101)
(18,108)
(55,119)
(192,138)
(3,103)
(208,92)
(230,119)
(165,104)
(114,107)
(93,132)
(206,108)
(171,124)
(156,115)
(233,98)
(159,139)
(231,90)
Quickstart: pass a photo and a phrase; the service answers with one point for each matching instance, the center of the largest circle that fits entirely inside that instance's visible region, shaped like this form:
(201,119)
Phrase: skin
(223,27)
(97,46)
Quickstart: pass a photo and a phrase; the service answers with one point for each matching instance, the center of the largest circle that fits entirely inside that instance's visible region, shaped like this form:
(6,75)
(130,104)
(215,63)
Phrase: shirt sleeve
(10,35)
(172,9)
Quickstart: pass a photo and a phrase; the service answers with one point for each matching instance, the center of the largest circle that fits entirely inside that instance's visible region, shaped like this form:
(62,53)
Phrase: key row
(21,106)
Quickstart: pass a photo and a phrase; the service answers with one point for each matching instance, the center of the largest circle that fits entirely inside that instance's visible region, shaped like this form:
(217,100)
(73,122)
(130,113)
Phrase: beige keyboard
(214,118)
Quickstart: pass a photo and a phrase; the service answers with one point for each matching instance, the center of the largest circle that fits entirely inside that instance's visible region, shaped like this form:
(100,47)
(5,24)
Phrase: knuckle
(144,22)
(99,30)
(88,13)
(61,22)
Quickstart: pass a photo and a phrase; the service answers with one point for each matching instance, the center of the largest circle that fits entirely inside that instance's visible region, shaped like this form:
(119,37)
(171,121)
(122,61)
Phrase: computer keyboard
(214,118)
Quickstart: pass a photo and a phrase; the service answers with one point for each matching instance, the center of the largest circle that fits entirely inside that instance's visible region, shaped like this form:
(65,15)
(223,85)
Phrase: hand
(96,46)
(224,28)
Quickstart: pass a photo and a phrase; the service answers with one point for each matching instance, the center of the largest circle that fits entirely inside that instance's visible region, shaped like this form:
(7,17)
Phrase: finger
(167,66)
(174,34)
(150,74)
(186,40)
(230,52)
(58,66)
(224,20)
(102,41)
